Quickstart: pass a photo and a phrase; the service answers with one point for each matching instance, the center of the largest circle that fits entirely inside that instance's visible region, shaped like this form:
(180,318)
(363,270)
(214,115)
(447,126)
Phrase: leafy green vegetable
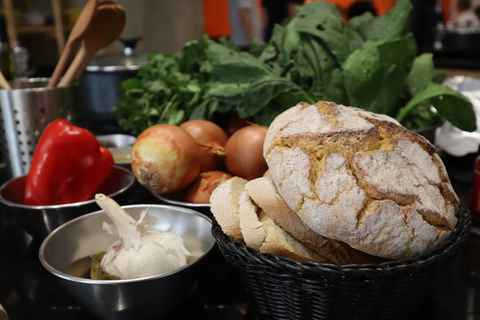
(447,102)
(370,63)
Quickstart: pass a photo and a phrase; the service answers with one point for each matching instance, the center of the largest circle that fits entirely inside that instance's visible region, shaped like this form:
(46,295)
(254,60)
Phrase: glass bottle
(20,58)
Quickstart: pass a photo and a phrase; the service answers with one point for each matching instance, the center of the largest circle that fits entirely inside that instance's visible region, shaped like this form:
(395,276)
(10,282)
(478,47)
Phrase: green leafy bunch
(166,90)
(369,62)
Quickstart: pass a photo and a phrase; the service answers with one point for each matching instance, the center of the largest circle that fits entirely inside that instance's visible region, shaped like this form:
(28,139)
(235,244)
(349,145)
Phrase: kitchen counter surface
(28,291)
(450,72)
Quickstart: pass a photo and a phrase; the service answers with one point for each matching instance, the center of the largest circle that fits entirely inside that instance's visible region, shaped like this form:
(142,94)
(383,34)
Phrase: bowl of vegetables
(102,273)
(40,220)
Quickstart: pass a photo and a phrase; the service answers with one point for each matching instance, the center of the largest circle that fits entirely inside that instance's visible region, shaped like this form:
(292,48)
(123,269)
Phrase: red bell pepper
(68,166)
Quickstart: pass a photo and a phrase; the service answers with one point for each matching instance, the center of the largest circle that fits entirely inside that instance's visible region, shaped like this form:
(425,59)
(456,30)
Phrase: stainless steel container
(39,221)
(25,111)
(150,297)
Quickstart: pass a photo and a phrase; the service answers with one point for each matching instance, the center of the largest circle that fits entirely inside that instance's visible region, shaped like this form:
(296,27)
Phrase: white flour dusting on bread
(361,178)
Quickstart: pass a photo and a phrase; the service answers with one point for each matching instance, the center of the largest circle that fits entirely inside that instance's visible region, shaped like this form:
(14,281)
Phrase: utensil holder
(25,111)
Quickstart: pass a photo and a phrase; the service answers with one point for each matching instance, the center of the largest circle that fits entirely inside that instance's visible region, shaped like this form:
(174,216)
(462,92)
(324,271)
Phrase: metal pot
(100,86)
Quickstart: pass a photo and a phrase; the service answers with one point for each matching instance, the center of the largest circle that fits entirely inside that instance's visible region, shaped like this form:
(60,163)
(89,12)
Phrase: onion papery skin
(165,158)
(202,187)
(244,152)
(211,140)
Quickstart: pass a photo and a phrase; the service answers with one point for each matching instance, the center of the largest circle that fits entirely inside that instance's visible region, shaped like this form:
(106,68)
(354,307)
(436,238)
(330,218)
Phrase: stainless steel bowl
(144,298)
(39,221)
(122,156)
(176,199)
(116,140)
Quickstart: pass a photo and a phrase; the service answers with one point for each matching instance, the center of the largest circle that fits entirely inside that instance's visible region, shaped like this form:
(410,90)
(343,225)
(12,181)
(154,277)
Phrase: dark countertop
(28,291)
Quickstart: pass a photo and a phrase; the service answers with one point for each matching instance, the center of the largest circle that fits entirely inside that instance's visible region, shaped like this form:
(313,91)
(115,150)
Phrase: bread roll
(224,206)
(361,178)
(260,232)
(250,225)
(241,219)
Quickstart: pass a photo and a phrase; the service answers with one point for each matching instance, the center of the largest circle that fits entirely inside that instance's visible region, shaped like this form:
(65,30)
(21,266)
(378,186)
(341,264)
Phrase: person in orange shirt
(381,6)
(216,21)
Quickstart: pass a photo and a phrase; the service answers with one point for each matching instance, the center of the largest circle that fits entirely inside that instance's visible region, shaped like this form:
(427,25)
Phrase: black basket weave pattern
(281,288)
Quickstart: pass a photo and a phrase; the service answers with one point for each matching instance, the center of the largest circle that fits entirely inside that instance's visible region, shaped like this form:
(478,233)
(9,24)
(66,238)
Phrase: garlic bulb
(139,252)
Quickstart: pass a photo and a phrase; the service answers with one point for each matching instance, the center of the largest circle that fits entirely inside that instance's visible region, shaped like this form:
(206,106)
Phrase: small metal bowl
(144,298)
(176,199)
(122,156)
(39,221)
(116,140)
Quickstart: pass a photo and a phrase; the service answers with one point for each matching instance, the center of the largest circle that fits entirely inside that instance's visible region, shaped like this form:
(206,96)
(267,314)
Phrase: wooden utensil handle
(4,84)
(75,67)
(3,313)
(60,68)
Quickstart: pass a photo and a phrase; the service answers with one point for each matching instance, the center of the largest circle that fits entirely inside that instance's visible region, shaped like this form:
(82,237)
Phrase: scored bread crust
(264,194)
(361,178)
(224,206)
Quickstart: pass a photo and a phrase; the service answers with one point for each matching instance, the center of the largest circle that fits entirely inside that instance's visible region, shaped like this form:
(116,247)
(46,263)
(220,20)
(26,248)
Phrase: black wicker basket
(281,288)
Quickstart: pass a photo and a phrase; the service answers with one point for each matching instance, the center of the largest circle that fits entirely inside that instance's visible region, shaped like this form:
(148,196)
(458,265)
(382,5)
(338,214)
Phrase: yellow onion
(201,189)
(244,152)
(165,158)
(211,140)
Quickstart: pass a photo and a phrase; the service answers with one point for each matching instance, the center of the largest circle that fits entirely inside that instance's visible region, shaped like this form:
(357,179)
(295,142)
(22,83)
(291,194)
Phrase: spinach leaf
(366,71)
(449,103)
(377,95)
(395,23)
(421,73)
(324,22)
(283,91)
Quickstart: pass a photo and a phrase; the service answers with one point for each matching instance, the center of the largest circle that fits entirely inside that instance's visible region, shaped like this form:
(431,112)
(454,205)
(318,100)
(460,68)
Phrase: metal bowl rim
(66,205)
(71,278)
(42,80)
(164,197)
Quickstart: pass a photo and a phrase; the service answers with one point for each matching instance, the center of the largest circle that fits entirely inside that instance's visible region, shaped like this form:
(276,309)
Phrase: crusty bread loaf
(361,178)
(264,194)
(261,233)
(224,206)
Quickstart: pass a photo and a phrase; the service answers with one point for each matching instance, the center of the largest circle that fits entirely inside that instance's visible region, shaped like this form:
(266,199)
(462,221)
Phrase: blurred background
(164,25)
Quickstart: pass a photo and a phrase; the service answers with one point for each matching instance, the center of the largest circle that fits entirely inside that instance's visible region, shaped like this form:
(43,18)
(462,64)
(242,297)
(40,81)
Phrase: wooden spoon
(3,82)
(106,27)
(76,34)
(3,313)
(107,2)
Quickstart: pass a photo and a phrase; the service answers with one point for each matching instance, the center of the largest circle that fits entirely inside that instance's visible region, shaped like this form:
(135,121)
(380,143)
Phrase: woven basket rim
(430,259)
